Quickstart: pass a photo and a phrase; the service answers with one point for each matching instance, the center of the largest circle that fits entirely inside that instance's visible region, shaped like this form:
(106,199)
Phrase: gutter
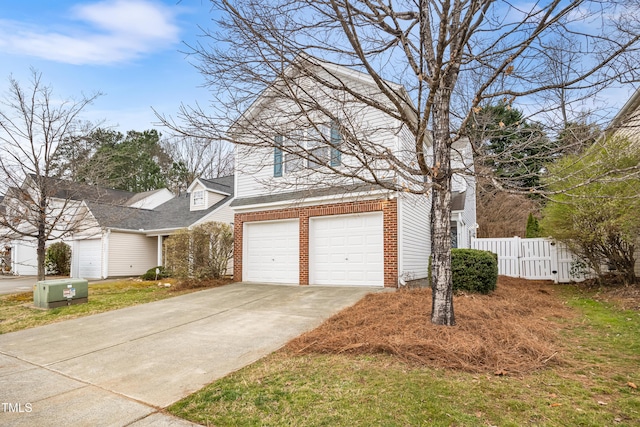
(309,201)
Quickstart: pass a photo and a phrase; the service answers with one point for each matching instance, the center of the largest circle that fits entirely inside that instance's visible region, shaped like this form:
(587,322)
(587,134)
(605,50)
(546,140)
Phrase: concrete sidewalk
(122,367)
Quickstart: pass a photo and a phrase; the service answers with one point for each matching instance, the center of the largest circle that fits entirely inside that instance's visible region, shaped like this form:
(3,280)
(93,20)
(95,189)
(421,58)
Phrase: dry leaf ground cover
(529,354)
(511,330)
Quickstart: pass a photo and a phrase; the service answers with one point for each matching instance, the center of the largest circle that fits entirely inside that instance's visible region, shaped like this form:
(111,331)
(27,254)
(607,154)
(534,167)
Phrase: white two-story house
(309,207)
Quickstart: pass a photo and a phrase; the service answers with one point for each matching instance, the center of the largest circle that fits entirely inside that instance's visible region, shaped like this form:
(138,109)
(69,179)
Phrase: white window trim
(302,135)
(198,198)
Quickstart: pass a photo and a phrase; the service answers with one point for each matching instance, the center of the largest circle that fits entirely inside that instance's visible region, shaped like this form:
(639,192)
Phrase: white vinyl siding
(255,166)
(346,250)
(271,252)
(131,254)
(414,236)
(221,214)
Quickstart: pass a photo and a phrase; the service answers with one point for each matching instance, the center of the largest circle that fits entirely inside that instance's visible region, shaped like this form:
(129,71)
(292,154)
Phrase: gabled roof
(69,190)
(336,72)
(223,185)
(172,214)
(457,200)
(627,111)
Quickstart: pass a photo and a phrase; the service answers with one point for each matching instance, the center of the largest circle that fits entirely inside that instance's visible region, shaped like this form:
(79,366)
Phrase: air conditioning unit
(60,292)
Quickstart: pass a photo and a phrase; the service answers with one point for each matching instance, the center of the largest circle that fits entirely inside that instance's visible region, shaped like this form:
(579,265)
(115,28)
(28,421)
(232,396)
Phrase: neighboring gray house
(122,232)
(127,241)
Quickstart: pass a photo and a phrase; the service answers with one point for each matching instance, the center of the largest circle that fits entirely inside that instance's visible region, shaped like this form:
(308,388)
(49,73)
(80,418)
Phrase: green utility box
(60,292)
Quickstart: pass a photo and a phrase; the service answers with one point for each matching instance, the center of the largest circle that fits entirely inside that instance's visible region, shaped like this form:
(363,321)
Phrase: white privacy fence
(539,258)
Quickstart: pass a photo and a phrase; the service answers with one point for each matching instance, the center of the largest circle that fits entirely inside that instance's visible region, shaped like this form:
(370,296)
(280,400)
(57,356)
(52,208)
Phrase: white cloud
(106,32)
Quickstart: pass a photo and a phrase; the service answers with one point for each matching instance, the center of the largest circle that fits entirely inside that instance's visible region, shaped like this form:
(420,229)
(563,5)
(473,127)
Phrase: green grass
(17,311)
(591,389)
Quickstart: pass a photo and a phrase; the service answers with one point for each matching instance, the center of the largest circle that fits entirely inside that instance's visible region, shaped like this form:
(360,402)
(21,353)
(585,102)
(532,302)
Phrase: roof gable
(223,185)
(306,65)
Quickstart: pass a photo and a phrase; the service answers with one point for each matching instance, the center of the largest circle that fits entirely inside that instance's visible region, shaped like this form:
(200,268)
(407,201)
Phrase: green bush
(58,259)
(473,270)
(202,252)
(163,273)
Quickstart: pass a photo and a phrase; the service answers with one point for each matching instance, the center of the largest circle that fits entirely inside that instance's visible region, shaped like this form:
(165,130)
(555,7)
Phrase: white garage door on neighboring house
(271,251)
(88,254)
(346,250)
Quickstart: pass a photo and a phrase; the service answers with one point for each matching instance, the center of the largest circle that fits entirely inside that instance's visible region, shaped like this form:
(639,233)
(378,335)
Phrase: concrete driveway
(120,368)
(16,284)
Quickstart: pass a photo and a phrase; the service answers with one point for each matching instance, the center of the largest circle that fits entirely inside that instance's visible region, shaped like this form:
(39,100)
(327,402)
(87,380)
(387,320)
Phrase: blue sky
(127,49)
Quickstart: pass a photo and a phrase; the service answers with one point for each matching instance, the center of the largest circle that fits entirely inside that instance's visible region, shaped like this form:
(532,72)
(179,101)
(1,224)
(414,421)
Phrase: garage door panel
(271,252)
(353,244)
(89,256)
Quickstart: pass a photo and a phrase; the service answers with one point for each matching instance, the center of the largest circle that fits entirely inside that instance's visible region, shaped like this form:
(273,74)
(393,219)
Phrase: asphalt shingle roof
(174,213)
(303,194)
(69,190)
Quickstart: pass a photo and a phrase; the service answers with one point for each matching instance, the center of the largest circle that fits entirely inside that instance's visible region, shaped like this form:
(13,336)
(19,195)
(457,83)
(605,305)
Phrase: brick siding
(390,232)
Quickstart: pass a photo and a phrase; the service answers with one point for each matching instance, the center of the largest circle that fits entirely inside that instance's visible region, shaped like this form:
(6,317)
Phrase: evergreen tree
(533,227)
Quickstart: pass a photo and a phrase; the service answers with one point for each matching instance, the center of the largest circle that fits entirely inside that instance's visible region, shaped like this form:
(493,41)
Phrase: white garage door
(346,250)
(271,252)
(89,256)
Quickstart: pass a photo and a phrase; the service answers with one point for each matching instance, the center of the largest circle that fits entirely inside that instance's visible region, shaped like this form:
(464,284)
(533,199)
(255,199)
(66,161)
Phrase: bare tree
(503,214)
(433,63)
(33,122)
(196,157)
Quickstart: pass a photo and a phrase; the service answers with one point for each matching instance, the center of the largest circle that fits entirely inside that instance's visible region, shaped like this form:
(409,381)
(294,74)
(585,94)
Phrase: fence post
(554,260)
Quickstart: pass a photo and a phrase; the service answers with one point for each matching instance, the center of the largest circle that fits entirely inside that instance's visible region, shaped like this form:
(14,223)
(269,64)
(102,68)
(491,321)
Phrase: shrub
(473,270)
(163,273)
(201,252)
(58,259)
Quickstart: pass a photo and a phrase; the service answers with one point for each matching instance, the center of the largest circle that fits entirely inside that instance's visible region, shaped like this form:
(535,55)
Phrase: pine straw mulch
(506,332)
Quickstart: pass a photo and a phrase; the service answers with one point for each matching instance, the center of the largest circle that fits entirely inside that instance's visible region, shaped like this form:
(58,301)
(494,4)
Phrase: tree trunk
(41,252)
(42,223)
(441,283)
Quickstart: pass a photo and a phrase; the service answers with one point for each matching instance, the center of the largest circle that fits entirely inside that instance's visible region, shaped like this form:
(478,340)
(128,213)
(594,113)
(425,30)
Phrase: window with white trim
(198,198)
(307,148)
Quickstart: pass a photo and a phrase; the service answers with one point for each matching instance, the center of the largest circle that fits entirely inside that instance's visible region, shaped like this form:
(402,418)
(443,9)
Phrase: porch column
(159,251)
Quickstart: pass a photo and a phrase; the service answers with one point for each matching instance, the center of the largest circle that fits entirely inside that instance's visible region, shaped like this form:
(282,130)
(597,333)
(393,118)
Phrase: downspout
(105,253)
(399,227)
(159,254)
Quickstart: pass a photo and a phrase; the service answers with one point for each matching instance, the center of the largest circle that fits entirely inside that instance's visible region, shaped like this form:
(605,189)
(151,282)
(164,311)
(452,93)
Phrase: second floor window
(310,148)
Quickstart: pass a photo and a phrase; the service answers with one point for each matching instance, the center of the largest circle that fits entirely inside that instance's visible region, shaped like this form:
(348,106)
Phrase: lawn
(17,311)
(531,354)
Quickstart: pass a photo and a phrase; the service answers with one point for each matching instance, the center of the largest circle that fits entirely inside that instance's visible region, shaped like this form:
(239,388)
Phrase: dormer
(203,194)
